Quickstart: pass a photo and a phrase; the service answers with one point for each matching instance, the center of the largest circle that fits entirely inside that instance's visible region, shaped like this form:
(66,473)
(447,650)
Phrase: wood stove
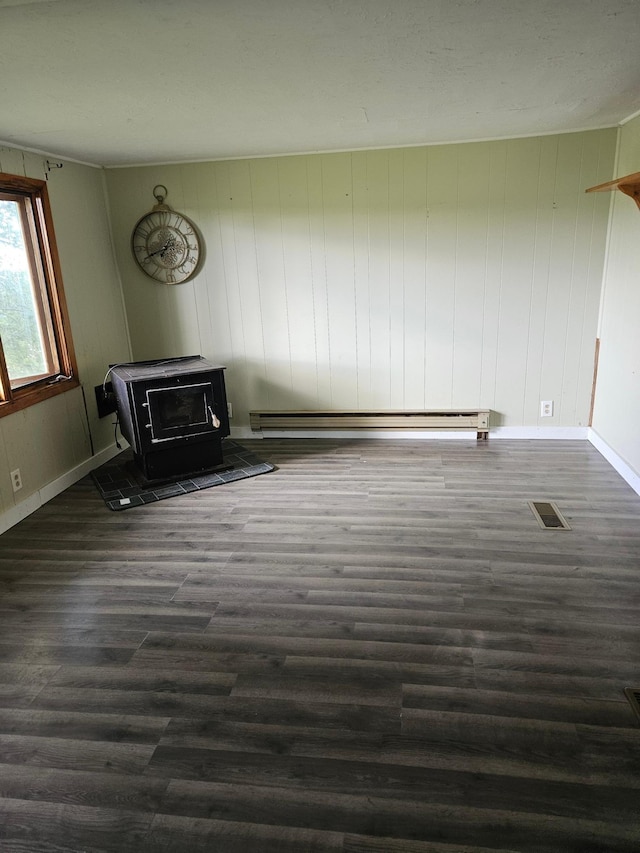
(173,413)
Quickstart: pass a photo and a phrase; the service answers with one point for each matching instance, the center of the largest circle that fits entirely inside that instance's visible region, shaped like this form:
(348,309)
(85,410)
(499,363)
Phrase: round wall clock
(166,244)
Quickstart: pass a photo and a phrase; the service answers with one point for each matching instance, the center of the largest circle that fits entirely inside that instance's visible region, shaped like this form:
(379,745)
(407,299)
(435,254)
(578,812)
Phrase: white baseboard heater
(391,419)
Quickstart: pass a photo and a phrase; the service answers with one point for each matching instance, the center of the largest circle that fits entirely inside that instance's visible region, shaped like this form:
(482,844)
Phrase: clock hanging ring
(165,244)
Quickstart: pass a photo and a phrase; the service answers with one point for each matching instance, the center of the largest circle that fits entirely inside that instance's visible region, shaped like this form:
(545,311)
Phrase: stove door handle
(214,419)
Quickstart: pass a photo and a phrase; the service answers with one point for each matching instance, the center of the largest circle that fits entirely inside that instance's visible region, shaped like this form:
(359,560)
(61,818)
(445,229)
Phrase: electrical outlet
(546,408)
(229,410)
(16,480)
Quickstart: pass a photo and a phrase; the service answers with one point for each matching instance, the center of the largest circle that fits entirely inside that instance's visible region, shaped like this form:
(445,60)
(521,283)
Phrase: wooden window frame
(40,243)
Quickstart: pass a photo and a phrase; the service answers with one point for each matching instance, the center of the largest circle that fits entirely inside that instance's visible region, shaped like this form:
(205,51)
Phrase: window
(36,352)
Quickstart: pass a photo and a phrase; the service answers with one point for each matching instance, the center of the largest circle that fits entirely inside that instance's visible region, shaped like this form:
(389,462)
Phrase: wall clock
(165,243)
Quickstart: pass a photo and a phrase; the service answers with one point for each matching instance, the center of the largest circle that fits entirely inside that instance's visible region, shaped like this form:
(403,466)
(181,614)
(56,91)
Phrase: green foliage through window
(19,324)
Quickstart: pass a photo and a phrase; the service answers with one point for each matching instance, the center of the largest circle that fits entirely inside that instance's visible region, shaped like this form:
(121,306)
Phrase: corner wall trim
(626,471)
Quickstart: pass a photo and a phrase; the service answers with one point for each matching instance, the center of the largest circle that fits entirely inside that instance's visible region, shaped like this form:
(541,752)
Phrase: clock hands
(159,251)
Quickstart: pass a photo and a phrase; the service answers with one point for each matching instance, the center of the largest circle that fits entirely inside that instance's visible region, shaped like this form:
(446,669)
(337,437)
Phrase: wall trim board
(241,432)
(40,153)
(19,512)
(540,433)
(22,510)
(366,149)
(626,471)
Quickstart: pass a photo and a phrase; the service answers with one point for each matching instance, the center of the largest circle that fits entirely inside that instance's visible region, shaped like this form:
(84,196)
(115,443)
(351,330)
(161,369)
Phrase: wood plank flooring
(373,648)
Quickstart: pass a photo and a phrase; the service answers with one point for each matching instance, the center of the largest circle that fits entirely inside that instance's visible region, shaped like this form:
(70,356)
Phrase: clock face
(166,246)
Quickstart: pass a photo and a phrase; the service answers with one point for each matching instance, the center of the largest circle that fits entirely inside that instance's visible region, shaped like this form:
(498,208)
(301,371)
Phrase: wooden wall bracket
(629,184)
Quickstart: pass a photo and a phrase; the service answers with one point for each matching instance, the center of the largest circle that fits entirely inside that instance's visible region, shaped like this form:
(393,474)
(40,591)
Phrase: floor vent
(548,515)
(633,695)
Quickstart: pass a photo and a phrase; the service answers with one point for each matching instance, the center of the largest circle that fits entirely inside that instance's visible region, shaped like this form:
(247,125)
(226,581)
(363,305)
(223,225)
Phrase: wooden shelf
(629,184)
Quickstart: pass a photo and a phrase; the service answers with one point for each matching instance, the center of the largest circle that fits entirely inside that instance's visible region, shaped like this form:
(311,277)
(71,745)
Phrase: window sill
(31,397)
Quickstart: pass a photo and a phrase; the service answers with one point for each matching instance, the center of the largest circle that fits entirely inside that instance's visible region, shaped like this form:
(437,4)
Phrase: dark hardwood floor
(373,648)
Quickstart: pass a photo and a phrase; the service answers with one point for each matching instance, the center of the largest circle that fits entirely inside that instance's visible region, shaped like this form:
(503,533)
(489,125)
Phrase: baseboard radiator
(337,419)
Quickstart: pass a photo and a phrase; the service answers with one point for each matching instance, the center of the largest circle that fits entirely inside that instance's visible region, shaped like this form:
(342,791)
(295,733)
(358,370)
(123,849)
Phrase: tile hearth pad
(122,488)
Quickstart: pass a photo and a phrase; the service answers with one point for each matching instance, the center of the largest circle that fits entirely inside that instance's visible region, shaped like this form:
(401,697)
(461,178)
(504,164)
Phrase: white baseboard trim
(21,510)
(244,432)
(551,433)
(626,471)
(12,516)
(538,433)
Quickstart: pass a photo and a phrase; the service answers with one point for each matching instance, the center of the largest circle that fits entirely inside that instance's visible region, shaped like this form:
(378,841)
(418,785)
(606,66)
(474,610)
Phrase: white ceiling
(116,82)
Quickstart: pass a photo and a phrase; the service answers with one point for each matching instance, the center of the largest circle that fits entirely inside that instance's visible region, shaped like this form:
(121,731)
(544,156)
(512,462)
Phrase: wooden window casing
(48,293)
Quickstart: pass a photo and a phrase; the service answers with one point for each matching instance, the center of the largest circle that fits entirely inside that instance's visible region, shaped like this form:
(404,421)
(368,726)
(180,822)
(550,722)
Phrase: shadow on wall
(248,389)
(270,395)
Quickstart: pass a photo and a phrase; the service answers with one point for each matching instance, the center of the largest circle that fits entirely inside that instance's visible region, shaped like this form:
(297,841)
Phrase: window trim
(41,241)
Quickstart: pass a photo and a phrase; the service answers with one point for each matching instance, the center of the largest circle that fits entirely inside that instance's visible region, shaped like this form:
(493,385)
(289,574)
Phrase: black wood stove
(173,413)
